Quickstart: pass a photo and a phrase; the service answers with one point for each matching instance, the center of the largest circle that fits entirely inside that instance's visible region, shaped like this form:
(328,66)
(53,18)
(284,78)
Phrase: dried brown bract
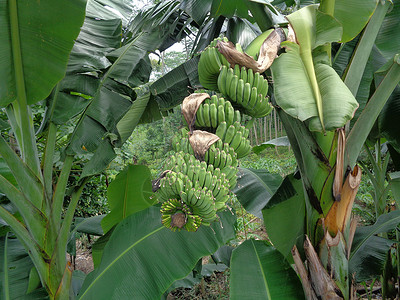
(201,141)
(268,52)
(190,106)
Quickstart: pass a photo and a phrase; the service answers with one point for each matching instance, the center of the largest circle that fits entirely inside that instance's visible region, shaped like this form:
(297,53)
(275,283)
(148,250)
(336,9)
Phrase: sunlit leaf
(128,193)
(140,244)
(258,271)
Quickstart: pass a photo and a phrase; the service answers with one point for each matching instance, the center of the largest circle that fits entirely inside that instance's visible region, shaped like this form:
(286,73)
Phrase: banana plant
(314,103)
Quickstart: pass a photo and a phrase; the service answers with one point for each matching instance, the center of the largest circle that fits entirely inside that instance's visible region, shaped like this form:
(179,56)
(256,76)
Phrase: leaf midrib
(262,271)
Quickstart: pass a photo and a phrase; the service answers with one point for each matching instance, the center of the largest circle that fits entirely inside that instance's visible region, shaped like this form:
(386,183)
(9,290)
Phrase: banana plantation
(317,78)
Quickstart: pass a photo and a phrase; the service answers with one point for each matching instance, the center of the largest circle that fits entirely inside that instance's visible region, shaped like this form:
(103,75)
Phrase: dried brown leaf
(324,286)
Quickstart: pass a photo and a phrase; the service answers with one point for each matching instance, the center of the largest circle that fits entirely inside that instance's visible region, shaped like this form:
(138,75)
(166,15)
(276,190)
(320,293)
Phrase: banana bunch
(215,110)
(209,65)
(201,173)
(245,88)
(186,201)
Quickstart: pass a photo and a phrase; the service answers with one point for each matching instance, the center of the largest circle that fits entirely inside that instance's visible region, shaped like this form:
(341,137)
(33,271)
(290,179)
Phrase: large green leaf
(388,39)
(35,45)
(314,86)
(362,52)
(395,186)
(127,194)
(353,15)
(284,215)
(110,9)
(143,258)
(369,115)
(298,99)
(259,271)
(173,87)
(14,279)
(197,9)
(91,225)
(389,118)
(130,120)
(229,8)
(255,188)
(368,251)
(241,31)
(264,14)
(167,20)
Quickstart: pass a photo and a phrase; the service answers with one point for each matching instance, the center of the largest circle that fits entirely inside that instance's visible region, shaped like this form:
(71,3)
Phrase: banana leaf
(223,255)
(316,93)
(255,188)
(143,258)
(259,271)
(241,31)
(28,28)
(388,119)
(110,9)
(173,87)
(128,193)
(14,269)
(284,215)
(353,16)
(230,8)
(369,251)
(388,39)
(280,141)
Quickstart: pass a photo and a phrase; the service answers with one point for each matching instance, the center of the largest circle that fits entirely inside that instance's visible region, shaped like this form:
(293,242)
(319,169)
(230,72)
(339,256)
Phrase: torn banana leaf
(306,87)
(295,95)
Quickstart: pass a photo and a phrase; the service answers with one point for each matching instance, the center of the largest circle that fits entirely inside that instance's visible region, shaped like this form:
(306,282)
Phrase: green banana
(229,113)
(202,176)
(223,158)
(228,80)
(217,157)
(236,70)
(230,134)
(243,74)
(239,92)
(208,180)
(199,117)
(206,115)
(256,80)
(233,88)
(250,76)
(236,140)
(246,94)
(214,61)
(213,115)
(237,117)
(253,98)
(221,130)
(222,79)
(221,114)
(264,88)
